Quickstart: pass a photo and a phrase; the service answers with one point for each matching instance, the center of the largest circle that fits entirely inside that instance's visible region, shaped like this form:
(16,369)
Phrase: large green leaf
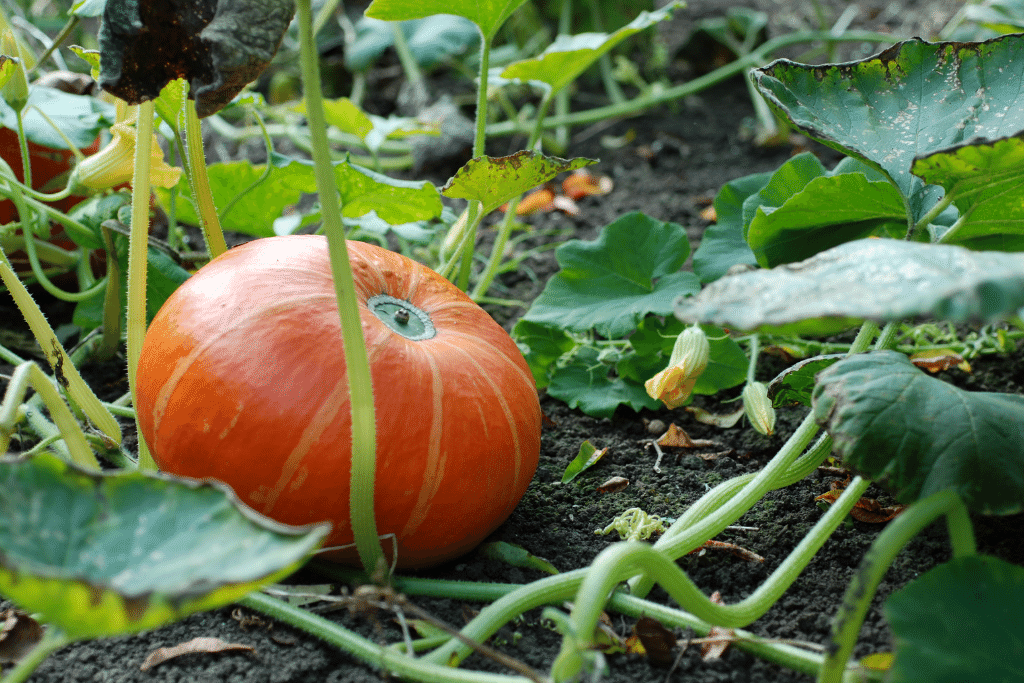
(610,284)
(986,181)
(489,15)
(102,554)
(264,199)
(569,56)
(917,435)
(723,244)
(494,180)
(871,279)
(821,211)
(431,40)
(909,101)
(79,117)
(544,345)
(588,384)
(795,384)
(959,622)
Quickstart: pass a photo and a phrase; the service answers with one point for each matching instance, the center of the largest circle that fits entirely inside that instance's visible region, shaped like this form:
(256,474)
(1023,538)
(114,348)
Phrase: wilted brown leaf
(675,437)
(19,633)
(581,183)
(936,360)
(724,421)
(709,214)
(738,551)
(194,646)
(866,509)
(613,485)
(657,640)
(718,638)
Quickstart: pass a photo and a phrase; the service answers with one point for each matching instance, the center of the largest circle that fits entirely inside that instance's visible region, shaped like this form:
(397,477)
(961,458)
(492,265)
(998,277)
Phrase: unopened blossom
(673,385)
(758,407)
(115,163)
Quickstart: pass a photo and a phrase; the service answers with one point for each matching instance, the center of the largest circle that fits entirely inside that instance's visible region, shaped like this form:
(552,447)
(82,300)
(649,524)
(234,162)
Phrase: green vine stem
(199,180)
(111,335)
(623,560)
(64,370)
(28,374)
(876,562)
(367,650)
(657,96)
(364,436)
(138,244)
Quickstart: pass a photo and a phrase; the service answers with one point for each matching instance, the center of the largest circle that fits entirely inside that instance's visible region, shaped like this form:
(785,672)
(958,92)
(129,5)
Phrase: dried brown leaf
(19,633)
(675,437)
(714,645)
(725,421)
(936,360)
(657,641)
(194,646)
(613,485)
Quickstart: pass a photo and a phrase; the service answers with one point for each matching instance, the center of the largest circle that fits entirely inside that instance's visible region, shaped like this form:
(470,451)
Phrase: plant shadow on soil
(670,170)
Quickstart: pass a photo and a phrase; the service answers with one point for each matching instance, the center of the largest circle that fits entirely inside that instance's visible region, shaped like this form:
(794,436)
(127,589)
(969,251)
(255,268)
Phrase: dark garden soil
(675,161)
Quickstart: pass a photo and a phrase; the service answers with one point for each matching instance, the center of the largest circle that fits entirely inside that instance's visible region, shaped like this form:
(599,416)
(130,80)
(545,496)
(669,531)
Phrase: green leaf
(918,435)
(828,211)
(344,115)
(959,622)
(909,101)
(516,556)
(103,554)
(985,180)
(488,15)
(569,56)
(795,384)
(872,279)
(723,244)
(362,191)
(494,180)
(585,459)
(544,345)
(7,67)
(590,387)
(610,284)
(79,117)
(172,98)
(785,181)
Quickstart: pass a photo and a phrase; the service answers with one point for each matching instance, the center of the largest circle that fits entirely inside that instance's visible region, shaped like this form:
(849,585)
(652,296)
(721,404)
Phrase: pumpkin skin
(242,378)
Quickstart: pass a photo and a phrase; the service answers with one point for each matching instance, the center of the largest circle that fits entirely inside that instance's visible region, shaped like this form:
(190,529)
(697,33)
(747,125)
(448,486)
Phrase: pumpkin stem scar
(402,317)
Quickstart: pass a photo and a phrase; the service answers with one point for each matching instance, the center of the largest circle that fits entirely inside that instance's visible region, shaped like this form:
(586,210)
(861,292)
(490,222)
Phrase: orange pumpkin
(242,379)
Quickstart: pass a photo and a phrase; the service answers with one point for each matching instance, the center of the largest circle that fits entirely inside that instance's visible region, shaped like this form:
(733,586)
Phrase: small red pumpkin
(242,379)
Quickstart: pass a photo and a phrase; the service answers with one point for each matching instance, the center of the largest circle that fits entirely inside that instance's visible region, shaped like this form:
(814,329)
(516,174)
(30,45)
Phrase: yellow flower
(759,407)
(115,163)
(690,355)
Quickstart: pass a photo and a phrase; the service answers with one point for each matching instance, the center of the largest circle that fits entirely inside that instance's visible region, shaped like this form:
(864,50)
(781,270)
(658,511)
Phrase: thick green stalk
(877,561)
(64,370)
(357,363)
(367,650)
(138,245)
(200,181)
(623,560)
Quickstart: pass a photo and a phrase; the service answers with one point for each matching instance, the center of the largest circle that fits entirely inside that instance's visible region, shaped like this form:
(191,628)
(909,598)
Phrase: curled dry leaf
(738,551)
(937,360)
(581,183)
(19,633)
(724,421)
(709,214)
(718,638)
(656,640)
(866,510)
(675,437)
(613,485)
(194,646)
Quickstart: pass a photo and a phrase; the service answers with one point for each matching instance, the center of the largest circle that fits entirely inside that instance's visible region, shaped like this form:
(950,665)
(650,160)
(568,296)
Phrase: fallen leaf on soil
(247,621)
(675,437)
(656,640)
(581,183)
(709,214)
(194,646)
(937,360)
(718,638)
(866,509)
(613,485)
(736,550)
(539,200)
(724,421)
(585,459)
(19,633)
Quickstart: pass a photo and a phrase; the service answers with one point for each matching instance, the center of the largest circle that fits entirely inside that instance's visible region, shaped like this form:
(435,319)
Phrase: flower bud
(115,163)
(758,407)
(690,355)
(15,90)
